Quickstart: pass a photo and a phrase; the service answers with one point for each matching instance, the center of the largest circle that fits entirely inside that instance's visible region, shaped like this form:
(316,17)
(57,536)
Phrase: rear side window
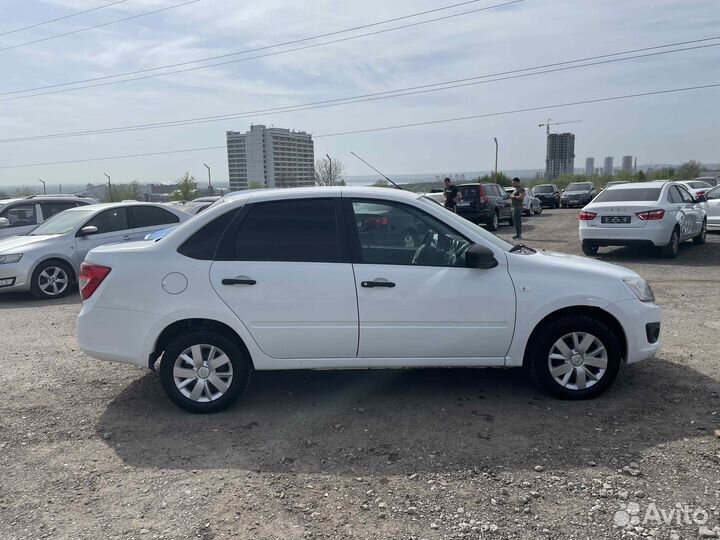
(49,209)
(304,230)
(115,219)
(674,195)
(620,195)
(151,216)
(203,244)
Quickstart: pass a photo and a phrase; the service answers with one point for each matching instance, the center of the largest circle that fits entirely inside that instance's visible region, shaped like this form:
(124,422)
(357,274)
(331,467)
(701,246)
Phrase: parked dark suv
(484,204)
(549,195)
(578,194)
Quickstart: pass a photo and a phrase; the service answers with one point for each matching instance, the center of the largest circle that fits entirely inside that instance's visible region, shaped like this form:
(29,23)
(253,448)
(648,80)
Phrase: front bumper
(641,322)
(19,273)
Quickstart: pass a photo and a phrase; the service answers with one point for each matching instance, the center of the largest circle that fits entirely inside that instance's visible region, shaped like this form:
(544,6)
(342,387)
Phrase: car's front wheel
(51,279)
(539,210)
(575,357)
(204,371)
(699,240)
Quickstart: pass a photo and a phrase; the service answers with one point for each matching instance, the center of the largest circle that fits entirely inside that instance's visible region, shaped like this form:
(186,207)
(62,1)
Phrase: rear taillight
(700,193)
(587,216)
(91,276)
(651,215)
(483,197)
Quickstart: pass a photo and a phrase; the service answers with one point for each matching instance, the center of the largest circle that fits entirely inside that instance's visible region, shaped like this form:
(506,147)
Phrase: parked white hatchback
(322,278)
(660,214)
(46,261)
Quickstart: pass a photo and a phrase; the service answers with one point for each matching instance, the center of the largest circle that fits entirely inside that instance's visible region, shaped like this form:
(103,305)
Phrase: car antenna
(374,169)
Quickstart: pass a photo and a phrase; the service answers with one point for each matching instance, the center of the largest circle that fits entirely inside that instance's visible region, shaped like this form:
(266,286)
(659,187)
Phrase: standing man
(452,195)
(517,198)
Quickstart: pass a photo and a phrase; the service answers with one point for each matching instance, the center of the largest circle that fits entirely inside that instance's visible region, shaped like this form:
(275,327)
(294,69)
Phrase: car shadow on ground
(403,421)
(26,300)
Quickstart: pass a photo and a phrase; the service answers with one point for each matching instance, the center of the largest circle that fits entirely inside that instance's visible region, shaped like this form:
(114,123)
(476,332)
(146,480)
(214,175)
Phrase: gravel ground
(91,450)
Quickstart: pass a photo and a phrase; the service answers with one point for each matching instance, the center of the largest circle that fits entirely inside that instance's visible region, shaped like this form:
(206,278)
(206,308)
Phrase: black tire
(239,364)
(539,210)
(589,250)
(699,240)
(50,276)
(539,363)
(494,221)
(671,250)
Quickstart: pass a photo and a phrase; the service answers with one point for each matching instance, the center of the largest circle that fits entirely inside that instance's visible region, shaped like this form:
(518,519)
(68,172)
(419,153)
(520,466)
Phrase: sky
(658,129)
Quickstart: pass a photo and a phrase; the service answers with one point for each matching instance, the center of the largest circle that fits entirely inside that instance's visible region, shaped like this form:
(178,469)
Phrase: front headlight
(641,288)
(7,259)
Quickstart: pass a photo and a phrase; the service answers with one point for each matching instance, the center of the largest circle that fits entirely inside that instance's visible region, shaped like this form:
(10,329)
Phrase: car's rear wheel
(699,240)
(494,222)
(671,250)
(204,371)
(575,357)
(589,250)
(51,279)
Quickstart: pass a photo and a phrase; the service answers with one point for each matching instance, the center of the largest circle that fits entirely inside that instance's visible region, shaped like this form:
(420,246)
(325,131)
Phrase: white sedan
(660,214)
(696,187)
(319,278)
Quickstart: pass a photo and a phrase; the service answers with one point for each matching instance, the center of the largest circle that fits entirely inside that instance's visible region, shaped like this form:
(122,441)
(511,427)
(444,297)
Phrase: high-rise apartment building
(589,166)
(627,163)
(560,157)
(270,157)
(608,169)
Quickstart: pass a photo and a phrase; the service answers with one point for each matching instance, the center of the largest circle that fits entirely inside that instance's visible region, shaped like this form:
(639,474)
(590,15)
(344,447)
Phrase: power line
(399,126)
(389,94)
(87,28)
(276,53)
(60,18)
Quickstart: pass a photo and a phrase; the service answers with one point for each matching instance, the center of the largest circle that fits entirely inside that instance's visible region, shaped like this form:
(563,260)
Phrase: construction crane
(550,122)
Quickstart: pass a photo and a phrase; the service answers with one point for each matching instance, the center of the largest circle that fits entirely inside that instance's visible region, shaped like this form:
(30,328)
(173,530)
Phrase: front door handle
(371,284)
(128,237)
(242,280)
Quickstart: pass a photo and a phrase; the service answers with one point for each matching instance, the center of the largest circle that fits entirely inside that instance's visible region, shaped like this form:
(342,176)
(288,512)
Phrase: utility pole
(496,156)
(210,188)
(44,188)
(109,187)
(330,176)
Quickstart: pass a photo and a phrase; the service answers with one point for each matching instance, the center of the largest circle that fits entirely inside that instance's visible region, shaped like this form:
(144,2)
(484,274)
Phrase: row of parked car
(43,255)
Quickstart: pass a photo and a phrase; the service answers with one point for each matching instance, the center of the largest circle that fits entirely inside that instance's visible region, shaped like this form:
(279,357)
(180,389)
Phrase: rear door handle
(371,284)
(128,237)
(239,281)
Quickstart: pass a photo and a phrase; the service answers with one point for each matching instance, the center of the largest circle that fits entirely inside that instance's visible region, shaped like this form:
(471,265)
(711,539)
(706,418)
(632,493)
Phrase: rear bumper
(625,236)
(476,216)
(118,335)
(641,322)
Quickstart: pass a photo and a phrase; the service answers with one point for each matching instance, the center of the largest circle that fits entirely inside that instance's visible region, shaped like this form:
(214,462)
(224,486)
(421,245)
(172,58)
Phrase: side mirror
(699,199)
(4,223)
(478,256)
(87,231)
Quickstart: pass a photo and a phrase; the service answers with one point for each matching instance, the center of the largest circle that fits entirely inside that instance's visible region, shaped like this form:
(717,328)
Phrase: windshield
(628,194)
(579,186)
(543,189)
(502,244)
(62,223)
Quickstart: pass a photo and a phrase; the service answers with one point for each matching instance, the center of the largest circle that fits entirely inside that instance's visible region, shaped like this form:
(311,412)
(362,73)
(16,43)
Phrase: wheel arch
(591,311)
(182,326)
(55,258)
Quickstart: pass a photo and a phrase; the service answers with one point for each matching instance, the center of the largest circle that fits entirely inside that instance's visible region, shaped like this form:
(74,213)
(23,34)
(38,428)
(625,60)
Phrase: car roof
(324,191)
(46,198)
(639,185)
(104,206)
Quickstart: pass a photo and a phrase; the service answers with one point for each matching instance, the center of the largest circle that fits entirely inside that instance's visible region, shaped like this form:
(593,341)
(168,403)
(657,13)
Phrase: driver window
(392,233)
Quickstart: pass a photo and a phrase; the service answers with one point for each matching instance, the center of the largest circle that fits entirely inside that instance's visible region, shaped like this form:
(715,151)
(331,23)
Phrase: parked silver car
(712,207)
(46,261)
(22,215)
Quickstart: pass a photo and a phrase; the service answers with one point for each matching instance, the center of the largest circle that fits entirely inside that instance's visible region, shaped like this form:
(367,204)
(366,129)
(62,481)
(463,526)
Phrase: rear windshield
(581,186)
(636,194)
(469,192)
(543,189)
(699,185)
